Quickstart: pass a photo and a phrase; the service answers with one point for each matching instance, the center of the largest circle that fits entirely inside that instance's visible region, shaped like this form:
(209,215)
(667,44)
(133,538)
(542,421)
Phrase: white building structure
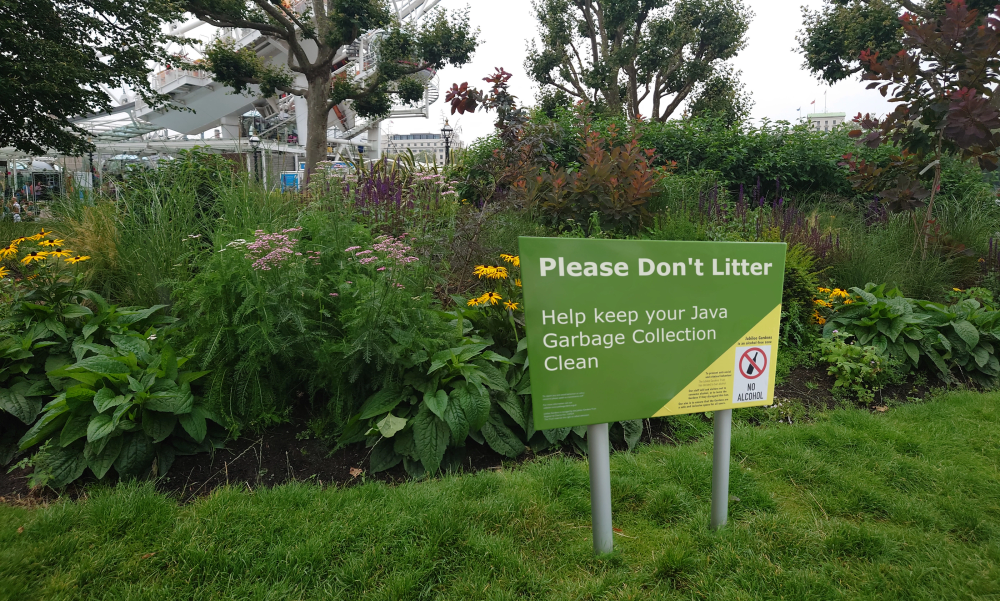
(825,121)
(430,145)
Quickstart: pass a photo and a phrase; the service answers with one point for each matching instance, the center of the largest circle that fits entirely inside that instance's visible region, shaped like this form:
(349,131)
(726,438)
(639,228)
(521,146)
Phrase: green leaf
(458,423)
(101,456)
(912,351)
(430,437)
(99,427)
(404,443)
(23,408)
(43,428)
(194,423)
(106,399)
(511,403)
(165,455)
(464,353)
(555,435)
(75,428)
(158,426)
(981,355)
(130,344)
(496,358)
(475,404)
(74,311)
(500,438)
(491,376)
(100,364)
(437,402)
(136,455)
(190,376)
(178,402)
(390,424)
(56,327)
(90,328)
(131,317)
(383,457)
(968,332)
(121,410)
(633,431)
(381,402)
(63,465)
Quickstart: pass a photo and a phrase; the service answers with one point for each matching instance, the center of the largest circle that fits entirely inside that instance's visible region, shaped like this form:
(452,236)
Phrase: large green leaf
(437,402)
(101,456)
(475,403)
(106,398)
(23,408)
(179,402)
(62,464)
(74,311)
(555,435)
(165,455)
(383,457)
(99,427)
(100,364)
(75,428)
(966,332)
(458,423)
(381,402)
(130,344)
(131,317)
(633,431)
(430,437)
(158,426)
(510,402)
(194,423)
(43,428)
(136,456)
(500,438)
(390,424)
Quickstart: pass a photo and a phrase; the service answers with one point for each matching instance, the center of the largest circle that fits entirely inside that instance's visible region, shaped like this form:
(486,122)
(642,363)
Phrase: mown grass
(901,505)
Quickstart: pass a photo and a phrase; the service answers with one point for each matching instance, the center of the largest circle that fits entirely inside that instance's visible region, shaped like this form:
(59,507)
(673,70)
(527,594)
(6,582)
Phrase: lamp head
(446,131)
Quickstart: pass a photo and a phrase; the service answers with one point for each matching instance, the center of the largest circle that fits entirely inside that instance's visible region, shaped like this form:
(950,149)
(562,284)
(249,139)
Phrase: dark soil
(289,452)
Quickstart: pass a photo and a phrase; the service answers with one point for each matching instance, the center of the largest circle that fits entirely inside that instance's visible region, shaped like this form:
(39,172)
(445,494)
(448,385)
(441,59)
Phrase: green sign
(629,329)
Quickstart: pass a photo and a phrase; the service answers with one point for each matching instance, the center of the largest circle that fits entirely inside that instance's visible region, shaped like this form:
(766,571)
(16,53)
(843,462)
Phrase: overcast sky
(771,65)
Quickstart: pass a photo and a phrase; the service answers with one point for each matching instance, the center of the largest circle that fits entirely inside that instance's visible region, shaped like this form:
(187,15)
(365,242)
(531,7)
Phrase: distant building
(424,146)
(825,121)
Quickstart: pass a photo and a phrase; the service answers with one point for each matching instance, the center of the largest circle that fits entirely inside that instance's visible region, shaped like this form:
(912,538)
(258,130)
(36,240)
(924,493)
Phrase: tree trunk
(318,112)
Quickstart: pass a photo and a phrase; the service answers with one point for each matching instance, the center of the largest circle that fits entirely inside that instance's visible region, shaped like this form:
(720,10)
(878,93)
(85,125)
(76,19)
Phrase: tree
(835,35)
(620,53)
(942,83)
(56,58)
(722,97)
(313,39)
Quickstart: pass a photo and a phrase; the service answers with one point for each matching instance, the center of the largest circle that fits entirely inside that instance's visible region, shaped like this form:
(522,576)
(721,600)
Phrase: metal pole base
(723,424)
(599,457)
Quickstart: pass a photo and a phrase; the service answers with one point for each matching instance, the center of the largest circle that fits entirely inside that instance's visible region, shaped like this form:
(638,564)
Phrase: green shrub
(858,370)
(952,340)
(98,387)
(798,325)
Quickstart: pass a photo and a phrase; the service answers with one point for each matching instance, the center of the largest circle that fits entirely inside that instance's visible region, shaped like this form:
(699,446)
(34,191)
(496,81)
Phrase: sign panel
(630,329)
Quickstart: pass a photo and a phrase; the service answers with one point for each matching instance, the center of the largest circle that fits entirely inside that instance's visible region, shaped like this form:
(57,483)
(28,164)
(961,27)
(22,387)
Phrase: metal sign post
(723,424)
(599,457)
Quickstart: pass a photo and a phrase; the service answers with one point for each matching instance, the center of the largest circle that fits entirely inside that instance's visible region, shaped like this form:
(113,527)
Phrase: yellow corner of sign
(716,381)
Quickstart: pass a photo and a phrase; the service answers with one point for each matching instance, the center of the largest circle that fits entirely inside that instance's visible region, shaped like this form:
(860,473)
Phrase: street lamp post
(255,145)
(446,133)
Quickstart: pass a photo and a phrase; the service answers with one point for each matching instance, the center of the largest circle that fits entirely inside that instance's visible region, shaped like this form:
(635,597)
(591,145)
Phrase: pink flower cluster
(271,250)
(389,249)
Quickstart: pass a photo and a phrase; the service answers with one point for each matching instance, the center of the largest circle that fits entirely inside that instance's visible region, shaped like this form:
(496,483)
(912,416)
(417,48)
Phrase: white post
(599,458)
(723,426)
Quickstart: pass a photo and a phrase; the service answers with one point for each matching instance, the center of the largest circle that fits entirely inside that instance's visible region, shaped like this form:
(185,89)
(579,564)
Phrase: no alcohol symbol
(753,363)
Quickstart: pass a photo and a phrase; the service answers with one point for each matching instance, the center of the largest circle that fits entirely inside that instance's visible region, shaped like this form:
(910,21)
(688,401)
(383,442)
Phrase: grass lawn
(901,505)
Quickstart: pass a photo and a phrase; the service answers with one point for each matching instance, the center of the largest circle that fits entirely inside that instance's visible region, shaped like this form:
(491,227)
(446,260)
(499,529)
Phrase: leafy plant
(962,337)
(858,369)
(100,387)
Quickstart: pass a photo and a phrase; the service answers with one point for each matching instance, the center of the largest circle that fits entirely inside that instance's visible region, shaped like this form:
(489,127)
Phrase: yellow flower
(34,256)
(511,306)
(60,253)
(8,251)
(3,272)
(848,301)
(50,242)
(473,302)
(821,302)
(480,270)
(491,298)
(825,290)
(39,235)
(76,259)
(499,273)
(490,272)
(517,282)
(837,292)
(958,290)
(514,260)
